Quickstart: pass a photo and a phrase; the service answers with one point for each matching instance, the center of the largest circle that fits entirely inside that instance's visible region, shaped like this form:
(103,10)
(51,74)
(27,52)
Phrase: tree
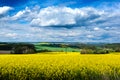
(23,49)
(87,51)
(64,46)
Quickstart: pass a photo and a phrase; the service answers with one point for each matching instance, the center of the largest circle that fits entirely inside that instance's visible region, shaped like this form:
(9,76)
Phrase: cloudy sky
(60,20)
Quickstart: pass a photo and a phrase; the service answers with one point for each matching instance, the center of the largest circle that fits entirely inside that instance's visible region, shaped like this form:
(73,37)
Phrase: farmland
(55,47)
(52,66)
(84,48)
(60,49)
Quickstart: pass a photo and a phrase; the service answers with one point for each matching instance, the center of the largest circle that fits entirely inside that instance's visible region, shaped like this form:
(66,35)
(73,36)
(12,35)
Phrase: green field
(60,49)
(49,66)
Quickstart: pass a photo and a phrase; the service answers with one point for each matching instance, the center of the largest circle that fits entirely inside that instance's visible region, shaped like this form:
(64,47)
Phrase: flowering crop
(71,66)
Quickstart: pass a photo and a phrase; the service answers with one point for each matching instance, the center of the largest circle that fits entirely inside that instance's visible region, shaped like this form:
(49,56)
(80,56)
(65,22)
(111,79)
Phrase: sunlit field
(60,66)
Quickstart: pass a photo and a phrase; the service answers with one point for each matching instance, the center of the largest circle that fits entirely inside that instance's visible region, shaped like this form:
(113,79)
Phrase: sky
(60,21)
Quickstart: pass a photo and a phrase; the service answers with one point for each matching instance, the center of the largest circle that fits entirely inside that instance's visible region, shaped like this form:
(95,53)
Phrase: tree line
(18,48)
(99,48)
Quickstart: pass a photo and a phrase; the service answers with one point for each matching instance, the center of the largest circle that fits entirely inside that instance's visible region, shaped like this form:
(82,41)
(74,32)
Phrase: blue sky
(60,21)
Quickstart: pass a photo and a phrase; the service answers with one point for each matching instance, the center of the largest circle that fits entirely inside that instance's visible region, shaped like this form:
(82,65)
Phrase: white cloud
(21,32)
(52,16)
(13,35)
(5,9)
(25,15)
(59,16)
(66,16)
(22,14)
(83,24)
(90,36)
(96,28)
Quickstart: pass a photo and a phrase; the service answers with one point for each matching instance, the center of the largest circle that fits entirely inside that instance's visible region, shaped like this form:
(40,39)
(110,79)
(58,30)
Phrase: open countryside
(60,61)
(59,39)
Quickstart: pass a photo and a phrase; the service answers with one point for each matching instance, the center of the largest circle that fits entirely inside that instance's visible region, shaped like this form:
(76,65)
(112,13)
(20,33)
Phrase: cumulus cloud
(54,23)
(27,14)
(21,32)
(4,10)
(54,16)
(69,17)
(60,16)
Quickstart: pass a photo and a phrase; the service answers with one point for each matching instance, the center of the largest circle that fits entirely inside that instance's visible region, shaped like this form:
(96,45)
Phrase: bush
(100,52)
(95,51)
(87,51)
(117,49)
(103,51)
(44,50)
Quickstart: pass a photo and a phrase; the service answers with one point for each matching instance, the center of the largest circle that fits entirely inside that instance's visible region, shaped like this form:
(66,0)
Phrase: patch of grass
(60,49)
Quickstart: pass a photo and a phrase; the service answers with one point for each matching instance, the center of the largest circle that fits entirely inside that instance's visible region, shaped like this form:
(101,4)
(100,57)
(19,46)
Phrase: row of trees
(97,51)
(23,48)
(101,49)
(18,48)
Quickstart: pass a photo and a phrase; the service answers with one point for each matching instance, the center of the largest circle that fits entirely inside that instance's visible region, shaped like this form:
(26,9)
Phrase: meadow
(54,49)
(60,66)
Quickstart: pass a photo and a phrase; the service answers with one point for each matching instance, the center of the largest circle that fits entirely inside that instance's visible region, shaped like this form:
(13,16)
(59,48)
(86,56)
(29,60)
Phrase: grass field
(69,49)
(49,66)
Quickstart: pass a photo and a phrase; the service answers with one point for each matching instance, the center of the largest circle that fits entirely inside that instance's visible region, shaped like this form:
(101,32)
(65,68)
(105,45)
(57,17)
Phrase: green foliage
(95,51)
(87,51)
(117,49)
(101,51)
(5,47)
(23,49)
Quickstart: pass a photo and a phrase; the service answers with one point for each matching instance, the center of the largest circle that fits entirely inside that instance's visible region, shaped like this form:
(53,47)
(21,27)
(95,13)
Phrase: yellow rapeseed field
(51,66)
